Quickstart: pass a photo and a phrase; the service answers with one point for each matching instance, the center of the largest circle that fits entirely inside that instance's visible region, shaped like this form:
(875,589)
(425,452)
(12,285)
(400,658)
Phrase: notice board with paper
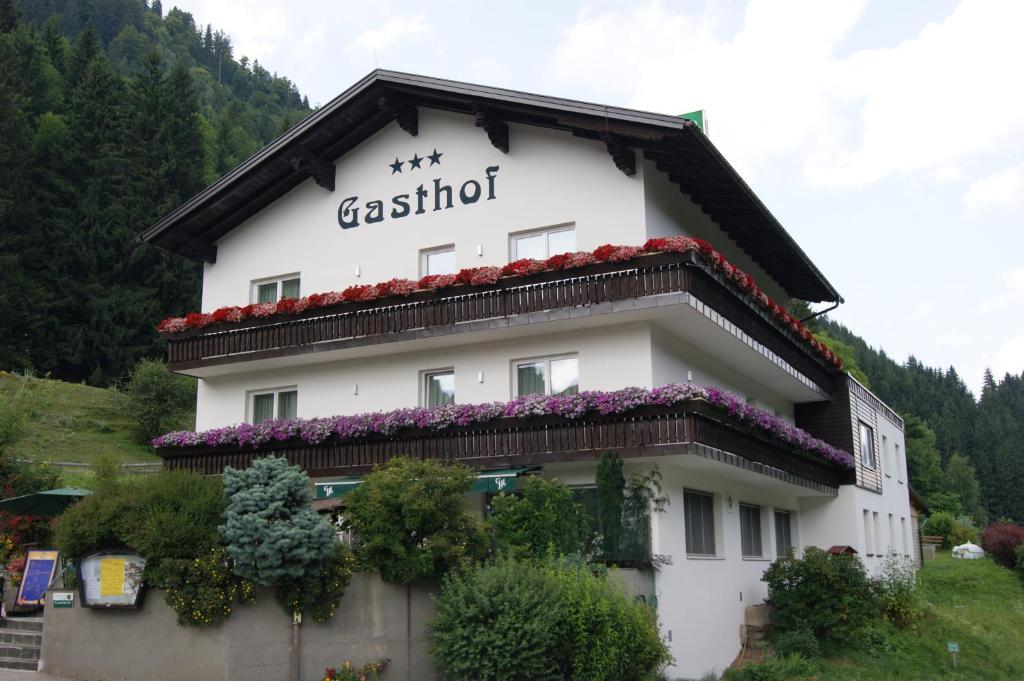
(111,580)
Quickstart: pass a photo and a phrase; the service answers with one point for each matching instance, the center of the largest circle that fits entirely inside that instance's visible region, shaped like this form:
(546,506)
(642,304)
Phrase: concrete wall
(253,644)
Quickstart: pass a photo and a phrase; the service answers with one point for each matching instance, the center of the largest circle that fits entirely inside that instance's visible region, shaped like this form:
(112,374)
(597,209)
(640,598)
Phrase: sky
(887,137)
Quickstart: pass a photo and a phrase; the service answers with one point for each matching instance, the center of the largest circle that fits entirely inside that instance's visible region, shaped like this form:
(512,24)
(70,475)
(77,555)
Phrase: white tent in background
(968,551)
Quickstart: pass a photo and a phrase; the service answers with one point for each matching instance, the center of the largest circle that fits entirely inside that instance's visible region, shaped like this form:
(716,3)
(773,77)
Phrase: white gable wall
(669,212)
(548,177)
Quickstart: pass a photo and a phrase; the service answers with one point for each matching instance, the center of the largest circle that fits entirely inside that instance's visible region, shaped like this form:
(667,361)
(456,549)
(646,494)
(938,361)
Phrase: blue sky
(888,137)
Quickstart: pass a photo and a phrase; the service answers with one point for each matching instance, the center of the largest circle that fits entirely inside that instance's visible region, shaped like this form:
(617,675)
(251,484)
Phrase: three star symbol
(415,161)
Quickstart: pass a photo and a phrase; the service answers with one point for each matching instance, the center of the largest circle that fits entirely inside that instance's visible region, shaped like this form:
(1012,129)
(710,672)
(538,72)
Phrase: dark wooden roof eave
(675,144)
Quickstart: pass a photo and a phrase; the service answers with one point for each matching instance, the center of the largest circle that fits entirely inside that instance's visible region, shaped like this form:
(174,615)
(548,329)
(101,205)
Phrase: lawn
(975,603)
(71,422)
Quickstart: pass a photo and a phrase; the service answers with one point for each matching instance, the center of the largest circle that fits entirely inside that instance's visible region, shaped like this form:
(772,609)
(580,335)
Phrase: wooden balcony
(691,428)
(512,301)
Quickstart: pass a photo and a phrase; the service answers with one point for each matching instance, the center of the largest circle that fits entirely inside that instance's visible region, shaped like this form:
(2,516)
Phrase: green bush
(788,668)
(798,641)
(962,532)
(411,521)
(545,519)
(158,401)
(954,531)
(202,590)
(520,620)
(830,594)
(270,530)
(896,590)
(1019,552)
(170,519)
(319,591)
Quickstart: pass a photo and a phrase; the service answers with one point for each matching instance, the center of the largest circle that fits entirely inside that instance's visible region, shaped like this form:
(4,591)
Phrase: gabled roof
(676,145)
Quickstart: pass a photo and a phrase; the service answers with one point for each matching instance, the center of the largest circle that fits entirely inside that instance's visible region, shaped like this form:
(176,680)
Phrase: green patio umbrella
(51,502)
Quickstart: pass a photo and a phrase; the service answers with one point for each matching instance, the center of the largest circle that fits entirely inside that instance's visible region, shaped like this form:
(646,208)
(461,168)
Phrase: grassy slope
(71,422)
(975,603)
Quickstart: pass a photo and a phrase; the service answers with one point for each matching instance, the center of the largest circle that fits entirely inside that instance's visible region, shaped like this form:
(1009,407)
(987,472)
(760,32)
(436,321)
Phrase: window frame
(748,508)
(713,533)
(425,376)
(862,426)
(278,281)
(547,359)
(513,237)
(425,254)
(776,512)
(250,401)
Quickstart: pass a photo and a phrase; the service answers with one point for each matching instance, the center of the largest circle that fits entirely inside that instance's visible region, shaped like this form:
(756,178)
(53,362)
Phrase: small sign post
(953,649)
(63,599)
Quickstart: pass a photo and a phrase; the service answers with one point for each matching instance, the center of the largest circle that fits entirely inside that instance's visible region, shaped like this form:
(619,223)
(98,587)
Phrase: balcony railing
(432,313)
(686,428)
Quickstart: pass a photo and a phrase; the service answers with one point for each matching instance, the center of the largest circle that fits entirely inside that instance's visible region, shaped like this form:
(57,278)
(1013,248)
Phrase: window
(899,465)
(543,243)
(698,508)
(273,290)
(440,260)
(867,446)
(887,457)
(903,532)
(268,404)
(548,376)
(892,534)
(868,542)
(438,388)
(750,530)
(876,529)
(783,533)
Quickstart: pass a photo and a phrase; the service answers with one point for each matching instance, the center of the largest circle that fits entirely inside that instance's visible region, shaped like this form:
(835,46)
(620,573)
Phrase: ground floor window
(699,509)
(268,404)
(783,533)
(750,530)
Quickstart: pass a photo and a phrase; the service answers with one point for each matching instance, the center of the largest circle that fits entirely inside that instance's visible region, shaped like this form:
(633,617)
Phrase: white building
(404,176)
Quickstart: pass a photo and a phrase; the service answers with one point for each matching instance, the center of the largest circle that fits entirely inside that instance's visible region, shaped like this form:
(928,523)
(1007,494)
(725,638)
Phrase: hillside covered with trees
(111,114)
(965,456)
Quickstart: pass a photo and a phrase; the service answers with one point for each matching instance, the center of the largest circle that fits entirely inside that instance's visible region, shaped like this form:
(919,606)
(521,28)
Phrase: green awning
(500,479)
(336,488)
(495,480)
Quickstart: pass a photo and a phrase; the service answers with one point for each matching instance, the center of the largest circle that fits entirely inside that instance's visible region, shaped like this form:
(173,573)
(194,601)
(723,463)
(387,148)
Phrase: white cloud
(391,32)
(1002,188)
(1009,358)
(776,87)
(1010,290)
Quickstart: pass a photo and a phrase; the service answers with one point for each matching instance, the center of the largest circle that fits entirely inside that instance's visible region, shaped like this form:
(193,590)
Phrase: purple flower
(317,430)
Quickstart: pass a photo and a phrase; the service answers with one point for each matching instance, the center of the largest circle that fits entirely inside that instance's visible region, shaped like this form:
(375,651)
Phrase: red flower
(602,253)
(521,267)
(286,305)
(315,300)
(465,275)
(623,253)
(198,320)
(221,314)
(358,293)
(484,276)
(558,262)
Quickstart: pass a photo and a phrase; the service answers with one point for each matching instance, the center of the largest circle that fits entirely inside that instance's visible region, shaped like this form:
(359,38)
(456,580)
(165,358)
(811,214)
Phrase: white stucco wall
(677,361)
(669,212)
(548,177)
(610,358)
